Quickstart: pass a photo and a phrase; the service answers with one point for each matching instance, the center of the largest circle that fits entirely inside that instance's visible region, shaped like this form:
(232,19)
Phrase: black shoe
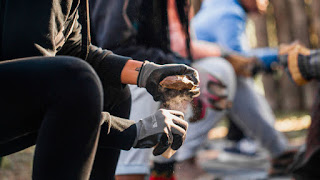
(280,165)
(306,169)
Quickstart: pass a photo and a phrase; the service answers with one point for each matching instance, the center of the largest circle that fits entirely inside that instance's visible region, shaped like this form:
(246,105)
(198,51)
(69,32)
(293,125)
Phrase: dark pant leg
(308,166)
(106,158)
(234,133)
(60,100)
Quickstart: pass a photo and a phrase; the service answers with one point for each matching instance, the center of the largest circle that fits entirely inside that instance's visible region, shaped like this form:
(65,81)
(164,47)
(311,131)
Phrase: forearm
(202,49)
(117,132)
(267,55)
(108,66)
(130,72)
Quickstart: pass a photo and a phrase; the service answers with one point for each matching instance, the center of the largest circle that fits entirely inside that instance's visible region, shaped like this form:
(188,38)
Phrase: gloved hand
(151,74)
(165,128)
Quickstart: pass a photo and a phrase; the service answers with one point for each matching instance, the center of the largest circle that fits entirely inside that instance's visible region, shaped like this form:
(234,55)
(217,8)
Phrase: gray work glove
(165,128)
(151,74)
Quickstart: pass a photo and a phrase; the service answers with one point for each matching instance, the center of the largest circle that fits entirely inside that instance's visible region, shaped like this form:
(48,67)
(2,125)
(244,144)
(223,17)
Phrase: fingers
(285,48)
(193,75)
(194,92)
(162,146)
(177,141)
(174,133)
(178,130)
(177,119)
(177,113)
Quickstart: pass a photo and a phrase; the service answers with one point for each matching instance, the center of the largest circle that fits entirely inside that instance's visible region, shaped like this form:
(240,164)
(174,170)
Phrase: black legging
(56,103)
(106,159)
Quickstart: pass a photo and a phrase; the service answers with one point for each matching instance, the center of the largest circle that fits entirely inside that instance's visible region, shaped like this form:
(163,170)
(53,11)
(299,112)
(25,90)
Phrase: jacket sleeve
(155,55)
(107,64)
(117,132)
(309,66)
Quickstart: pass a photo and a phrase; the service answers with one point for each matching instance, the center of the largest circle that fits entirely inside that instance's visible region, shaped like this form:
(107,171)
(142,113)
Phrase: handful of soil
(177,97)
(178,82)
(176,90)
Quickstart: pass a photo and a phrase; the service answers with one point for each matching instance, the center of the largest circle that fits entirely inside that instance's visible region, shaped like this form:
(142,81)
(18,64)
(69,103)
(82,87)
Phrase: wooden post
(290,98)
(269,83)
(196,5)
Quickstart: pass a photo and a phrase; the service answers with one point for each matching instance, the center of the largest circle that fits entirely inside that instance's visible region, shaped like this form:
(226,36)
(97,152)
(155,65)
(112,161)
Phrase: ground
(18,166)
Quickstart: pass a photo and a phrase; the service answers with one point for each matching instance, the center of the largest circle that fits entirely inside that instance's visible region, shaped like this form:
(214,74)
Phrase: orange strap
(294,68)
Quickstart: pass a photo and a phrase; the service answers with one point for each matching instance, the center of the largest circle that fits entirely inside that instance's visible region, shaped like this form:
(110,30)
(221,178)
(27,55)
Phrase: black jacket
(50,28)
(135,28)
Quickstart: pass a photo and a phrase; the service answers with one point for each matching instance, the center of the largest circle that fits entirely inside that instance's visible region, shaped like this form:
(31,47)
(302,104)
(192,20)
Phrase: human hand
(165,128)
(244,66)
(151,74)
(286,48)
(289,56)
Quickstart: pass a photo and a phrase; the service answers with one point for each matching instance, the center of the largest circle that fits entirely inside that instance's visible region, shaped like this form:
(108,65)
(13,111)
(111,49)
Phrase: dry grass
(17,166)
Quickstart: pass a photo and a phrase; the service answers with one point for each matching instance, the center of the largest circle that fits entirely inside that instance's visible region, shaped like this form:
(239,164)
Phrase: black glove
(165,128)
(151,74)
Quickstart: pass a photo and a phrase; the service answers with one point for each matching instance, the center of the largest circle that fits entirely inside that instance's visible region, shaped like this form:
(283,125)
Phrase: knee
(74,70)
(217,82)
(221,70)
(71,66)
(77,84)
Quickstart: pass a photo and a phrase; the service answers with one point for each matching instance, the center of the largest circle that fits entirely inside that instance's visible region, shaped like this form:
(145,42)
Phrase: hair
(154,27)
(183,7)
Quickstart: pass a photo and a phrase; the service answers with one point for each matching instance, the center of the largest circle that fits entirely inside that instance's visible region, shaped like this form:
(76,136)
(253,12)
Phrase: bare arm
(130,72)
(202,49)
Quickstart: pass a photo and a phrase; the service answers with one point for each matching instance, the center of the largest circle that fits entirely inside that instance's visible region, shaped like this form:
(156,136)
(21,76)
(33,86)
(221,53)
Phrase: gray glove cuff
(138,126)
(146,69)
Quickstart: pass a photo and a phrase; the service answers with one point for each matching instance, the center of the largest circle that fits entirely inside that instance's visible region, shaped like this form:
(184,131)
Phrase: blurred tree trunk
(196,5)
(290,96)
(270,85)
(299,22)
(300,27)
(315,15)
(282,15)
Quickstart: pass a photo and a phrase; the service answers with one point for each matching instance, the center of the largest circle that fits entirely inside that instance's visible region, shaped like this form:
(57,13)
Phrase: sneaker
(306,168)
(245,146)
(243,153)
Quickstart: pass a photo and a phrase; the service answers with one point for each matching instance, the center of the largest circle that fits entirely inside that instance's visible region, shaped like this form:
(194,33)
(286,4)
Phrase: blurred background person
(226,26)
(142,32)
(224,23)
(303,65)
